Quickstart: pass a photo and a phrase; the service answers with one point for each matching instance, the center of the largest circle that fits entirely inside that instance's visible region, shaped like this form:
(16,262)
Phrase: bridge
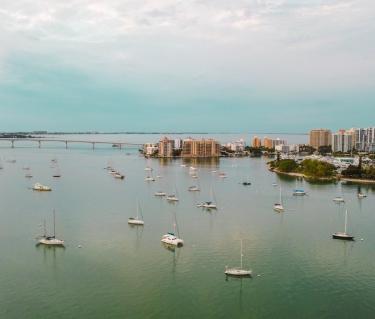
(39,142)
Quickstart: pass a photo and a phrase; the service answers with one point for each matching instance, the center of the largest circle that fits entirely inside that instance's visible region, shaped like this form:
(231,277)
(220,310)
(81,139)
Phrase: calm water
(125,272)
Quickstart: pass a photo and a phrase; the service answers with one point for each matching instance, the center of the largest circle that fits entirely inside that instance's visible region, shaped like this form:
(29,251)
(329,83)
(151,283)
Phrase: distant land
(31,133)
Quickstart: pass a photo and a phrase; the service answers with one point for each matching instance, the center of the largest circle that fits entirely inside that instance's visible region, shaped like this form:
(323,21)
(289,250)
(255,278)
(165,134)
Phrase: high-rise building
(267,143)
(166,147)
(342,141)
(364,139)
(320,137)
(256,142)
(200,148)
(272,143)
(150,148)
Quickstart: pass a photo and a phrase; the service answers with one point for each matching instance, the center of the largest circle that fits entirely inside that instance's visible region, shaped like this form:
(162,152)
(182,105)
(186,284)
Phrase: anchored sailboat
(343,235)
(51,240)
(138,220)
(238,271)
(278,207)
(171,238)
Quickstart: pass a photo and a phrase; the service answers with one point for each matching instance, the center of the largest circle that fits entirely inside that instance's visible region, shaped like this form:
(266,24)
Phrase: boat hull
(235,272)
(136,222)
(342,236)
(51,242)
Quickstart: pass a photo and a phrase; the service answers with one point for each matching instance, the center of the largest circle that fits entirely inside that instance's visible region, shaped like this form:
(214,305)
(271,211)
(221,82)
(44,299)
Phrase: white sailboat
(343,235)
(339,199)
(173,197)
(238,271)
(278,207)
(171,238)
(50,240)
(209,204)
(160,194)
(149,178)
(138,220)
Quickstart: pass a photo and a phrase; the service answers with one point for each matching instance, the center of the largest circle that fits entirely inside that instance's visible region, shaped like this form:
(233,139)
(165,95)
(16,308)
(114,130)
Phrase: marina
(288,252)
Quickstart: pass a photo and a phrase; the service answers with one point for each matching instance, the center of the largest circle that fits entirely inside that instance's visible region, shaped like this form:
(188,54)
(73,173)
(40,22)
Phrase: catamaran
(41,188)
(343,235)
(238,271)
(171,238)
(278,207)
(50,240)
(138,220)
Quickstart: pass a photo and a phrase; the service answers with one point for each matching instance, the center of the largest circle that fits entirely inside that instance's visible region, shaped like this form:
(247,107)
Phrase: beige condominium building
(166,147)
(320,137)
(256,142)
(200,148)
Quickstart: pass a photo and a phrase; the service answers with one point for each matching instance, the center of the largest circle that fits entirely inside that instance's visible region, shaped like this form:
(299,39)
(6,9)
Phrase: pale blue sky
(168,65)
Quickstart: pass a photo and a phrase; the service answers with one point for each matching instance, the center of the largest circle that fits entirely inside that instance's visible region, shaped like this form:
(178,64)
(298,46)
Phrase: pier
(66,142)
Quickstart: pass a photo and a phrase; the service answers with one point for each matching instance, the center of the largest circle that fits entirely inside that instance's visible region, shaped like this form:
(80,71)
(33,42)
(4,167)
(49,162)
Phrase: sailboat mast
(346,220)
(241,254)
(280,195)
(54,224)
(44,228)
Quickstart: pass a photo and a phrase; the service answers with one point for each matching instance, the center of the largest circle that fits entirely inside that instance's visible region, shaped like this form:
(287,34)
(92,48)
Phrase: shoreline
(326,179)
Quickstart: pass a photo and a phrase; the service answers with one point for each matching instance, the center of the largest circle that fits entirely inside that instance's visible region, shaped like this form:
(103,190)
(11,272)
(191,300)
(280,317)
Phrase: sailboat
(150,178)
(138,220)
(343,235)
(171,238)
(209,204)
(193,188)
(278,207)
(238,271)
(361,195)
(160,193)
(51,240)
(57,174)
(339,199)
(173,197)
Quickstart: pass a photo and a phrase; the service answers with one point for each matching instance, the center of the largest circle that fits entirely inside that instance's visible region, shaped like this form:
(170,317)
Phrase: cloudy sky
(220,65)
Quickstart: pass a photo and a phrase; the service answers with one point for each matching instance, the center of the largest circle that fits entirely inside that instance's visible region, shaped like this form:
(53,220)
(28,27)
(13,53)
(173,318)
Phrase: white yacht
(138,220)
(50,240)
(41,188)
(238,271)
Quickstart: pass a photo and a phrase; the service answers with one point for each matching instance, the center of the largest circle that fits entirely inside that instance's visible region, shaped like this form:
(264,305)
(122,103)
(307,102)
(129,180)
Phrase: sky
(197,66)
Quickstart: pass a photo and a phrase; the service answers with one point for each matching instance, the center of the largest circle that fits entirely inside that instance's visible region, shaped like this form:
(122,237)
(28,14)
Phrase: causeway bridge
(67,142)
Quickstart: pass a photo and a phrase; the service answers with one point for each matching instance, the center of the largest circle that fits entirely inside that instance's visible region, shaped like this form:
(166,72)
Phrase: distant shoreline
(148,133)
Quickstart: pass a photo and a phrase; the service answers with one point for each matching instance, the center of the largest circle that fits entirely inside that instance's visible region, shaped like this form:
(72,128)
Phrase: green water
(125,272)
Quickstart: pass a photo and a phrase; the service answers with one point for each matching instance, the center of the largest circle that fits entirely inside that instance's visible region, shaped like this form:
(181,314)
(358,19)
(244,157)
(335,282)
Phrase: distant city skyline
(223,66)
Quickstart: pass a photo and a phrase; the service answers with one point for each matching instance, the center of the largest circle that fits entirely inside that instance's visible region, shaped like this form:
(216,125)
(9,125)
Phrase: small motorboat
(160,194)
(149,179)
(41,188)
(246,183)
(299,192)
(361,195)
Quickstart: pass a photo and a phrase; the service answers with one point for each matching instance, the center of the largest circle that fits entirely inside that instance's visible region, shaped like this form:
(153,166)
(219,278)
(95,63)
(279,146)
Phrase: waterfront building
(178,143)
(282,148)
(166,147)
(267,143)
(272,143)
(237,146)
(364,139)
(320,137)
(200,148)
(150,148)
(256,142)
(342,141)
